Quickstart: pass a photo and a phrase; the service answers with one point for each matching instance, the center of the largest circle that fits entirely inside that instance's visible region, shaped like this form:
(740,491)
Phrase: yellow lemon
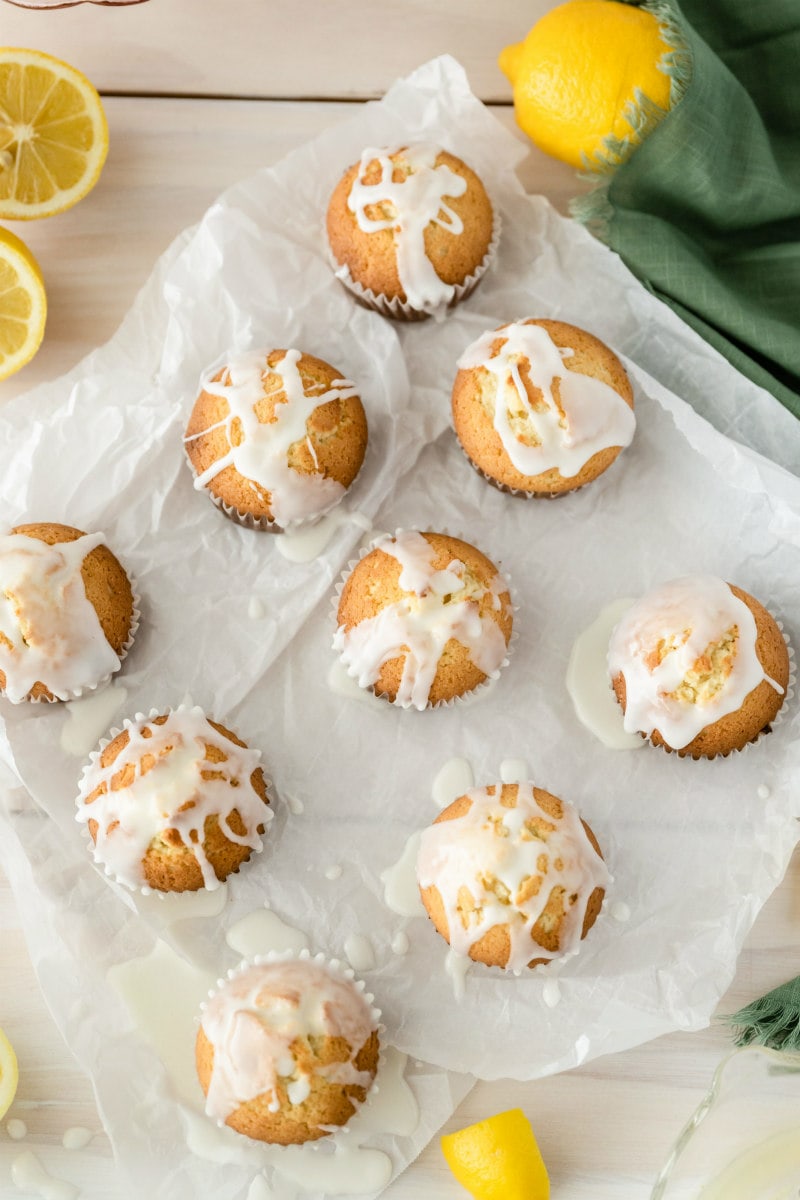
(53,135)
(23,312)
(578,69)
(9,1075)
(498,1159)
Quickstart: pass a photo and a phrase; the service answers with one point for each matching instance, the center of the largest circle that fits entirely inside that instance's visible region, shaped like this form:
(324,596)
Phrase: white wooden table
(198,97)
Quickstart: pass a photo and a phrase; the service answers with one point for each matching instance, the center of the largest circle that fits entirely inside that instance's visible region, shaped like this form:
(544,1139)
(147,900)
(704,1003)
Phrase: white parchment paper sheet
(693,849)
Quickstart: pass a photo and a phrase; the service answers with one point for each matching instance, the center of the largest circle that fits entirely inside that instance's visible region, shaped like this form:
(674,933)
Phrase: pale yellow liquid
(770,1171)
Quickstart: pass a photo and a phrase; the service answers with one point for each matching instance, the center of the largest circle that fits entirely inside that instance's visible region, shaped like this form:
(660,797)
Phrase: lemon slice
(23,304)
(53,135)
(9,1075)
(498,1159)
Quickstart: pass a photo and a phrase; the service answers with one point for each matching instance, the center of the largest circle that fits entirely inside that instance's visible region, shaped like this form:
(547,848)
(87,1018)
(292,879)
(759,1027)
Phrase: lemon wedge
(498,1159)
(23,304)
(9,1075)
(53,135)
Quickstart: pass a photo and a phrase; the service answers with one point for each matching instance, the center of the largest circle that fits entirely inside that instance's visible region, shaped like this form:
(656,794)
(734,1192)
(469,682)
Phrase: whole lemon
(578,69)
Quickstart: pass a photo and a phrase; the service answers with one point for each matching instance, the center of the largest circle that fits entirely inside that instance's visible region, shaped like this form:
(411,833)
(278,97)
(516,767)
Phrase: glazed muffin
(174,802)
(286,1049)
(511,876)
(67,612)
(410,229)
(541,407)
(698,666)
(275,437)
(423,618)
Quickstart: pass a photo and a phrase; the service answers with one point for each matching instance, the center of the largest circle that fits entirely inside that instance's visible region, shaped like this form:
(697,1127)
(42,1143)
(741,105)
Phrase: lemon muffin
(410,228)
(286,1049)
(698,666)
(511,876)
(541,407)
(423,618)
(67,612)
(174,802)
(275,437)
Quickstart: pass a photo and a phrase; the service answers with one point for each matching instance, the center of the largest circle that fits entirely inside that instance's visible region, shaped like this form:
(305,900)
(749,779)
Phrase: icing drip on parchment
(49,631)
(687,652)
(262,455)
(255,1018)
(498,865)
(438,605)
(565,429)
(407,206)
(179,791)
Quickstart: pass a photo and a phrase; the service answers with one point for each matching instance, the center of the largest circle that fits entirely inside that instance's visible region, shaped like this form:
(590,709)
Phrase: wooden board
(273,48)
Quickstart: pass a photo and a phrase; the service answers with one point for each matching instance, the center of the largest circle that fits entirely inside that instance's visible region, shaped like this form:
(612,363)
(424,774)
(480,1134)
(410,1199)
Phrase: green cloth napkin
(706,211)
(773,1020)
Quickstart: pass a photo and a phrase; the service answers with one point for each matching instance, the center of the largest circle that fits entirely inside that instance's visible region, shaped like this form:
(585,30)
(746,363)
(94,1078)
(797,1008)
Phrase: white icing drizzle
(589,415)
(360,952)
(334,871)
(682,619)
(510,860)
(77,1137)
(16,1129)
(409,205)
(49,631)
(438,605)
(588,685)
(173,794)
(262,932)
(262,454)
(254,1019)
(304,545)
(514,770)
(28,1174)
(400,890)
(88,719)
(400,943)
(453,780)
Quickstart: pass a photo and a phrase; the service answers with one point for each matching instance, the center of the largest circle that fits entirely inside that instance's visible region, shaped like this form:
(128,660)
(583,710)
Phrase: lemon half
(9,1074)
(498,1159)
(23,304)
(53,135)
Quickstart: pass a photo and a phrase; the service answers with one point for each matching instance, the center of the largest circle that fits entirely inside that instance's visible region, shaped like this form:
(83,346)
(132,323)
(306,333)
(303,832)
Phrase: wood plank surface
(273,48)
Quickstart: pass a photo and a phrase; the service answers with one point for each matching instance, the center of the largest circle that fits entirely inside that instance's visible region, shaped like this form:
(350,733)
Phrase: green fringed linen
(772,1021)
(706,210)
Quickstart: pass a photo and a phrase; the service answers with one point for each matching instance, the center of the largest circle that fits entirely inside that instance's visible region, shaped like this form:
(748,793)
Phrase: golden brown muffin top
(277,434)
(515,859)
(62,589)
(411,223)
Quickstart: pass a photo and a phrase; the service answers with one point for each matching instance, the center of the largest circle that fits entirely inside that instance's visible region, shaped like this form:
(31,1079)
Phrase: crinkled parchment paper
(693,849)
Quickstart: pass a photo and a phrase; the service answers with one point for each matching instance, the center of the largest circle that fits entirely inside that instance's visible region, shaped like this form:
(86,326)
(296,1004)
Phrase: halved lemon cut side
(23,304)
(53,135)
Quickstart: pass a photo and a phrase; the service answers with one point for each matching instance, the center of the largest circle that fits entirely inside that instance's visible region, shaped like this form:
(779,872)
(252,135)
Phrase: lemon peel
(23,304)
(498,1159)
(53,135)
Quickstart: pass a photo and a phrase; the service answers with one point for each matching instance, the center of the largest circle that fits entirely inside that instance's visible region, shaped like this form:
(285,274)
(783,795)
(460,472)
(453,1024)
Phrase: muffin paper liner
(145,890)
(88,688)
(249,521)
(765,732)
(335,1133)
(468,697)
(518,492)
(400,310)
